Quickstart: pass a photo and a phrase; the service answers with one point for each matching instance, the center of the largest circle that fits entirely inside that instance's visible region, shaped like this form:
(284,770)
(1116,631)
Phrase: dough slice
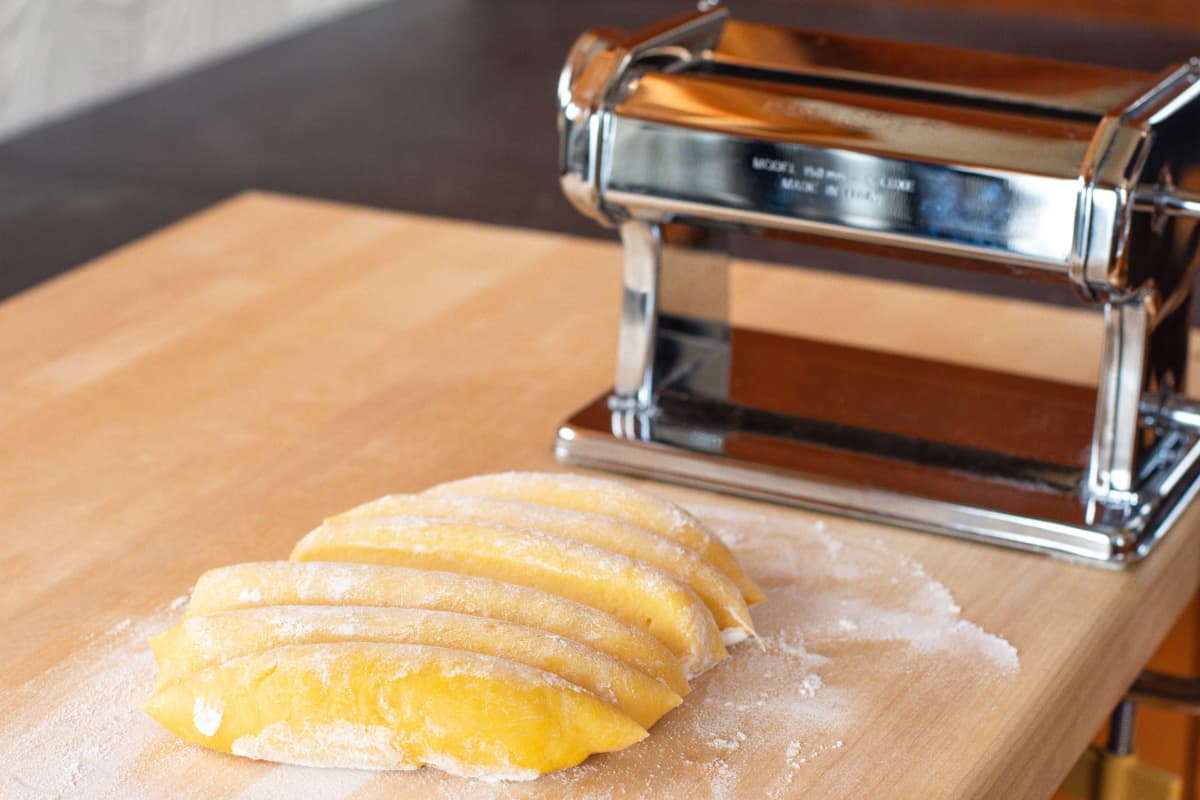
(392,706)
(201,642)
(600,496)
(631,590)
(267,583)
(712,586)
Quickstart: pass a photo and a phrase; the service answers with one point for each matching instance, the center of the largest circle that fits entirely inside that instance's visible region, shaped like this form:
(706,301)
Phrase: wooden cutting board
(207,395)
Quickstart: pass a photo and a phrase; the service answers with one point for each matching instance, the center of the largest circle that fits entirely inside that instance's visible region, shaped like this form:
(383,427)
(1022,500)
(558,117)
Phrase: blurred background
(119,116)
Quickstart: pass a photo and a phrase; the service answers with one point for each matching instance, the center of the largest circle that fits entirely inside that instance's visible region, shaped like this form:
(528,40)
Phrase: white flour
(843,616)
(76,730)
(207,716)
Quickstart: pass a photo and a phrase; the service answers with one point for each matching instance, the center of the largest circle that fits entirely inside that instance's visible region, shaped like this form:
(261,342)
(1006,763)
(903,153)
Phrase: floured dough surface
(716,589)
(488,637)
(303,704)
(614,499)
(286,583)
(631,590)
(201,642)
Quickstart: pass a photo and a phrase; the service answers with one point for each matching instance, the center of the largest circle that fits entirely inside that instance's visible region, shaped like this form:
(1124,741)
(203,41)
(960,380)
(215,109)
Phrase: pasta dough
(715,588)
(499,627)
(630,590)
(392,706)
(615,500)
(280,583)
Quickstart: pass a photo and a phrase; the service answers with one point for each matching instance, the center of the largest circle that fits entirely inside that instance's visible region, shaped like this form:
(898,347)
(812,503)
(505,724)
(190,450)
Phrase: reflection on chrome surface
(702,125)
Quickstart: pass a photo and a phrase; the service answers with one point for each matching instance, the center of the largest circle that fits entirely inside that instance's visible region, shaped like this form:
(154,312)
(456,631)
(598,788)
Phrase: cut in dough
(601,496)
(392,706)
(268,583)
(498,627)
(631,590)
(201,642)
(717,591)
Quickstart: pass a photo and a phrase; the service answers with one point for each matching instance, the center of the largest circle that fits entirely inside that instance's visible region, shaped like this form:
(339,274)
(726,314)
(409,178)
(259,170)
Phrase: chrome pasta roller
(705,125)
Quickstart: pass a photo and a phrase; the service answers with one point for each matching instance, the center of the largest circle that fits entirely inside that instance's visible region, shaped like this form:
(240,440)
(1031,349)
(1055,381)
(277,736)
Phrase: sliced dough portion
(600,496)
(267,583)
(201,642)
(713,587)
(631,590)
(392,706)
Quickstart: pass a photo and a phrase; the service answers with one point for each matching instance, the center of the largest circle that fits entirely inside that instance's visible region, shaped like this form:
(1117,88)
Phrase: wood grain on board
(203,396)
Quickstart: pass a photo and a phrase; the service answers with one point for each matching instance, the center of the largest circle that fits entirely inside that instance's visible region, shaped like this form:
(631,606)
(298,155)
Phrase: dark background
(442,108)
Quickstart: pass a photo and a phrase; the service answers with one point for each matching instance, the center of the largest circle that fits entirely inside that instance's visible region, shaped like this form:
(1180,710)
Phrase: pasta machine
(705,126)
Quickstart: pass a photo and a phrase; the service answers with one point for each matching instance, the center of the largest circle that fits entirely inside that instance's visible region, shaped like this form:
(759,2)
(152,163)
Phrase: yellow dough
(201,642)
(717,591)
(600,496)
(631,590)
(270,583)
(392,706)
(498,627)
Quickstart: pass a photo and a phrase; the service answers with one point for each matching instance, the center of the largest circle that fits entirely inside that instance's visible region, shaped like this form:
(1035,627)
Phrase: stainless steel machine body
(705,125)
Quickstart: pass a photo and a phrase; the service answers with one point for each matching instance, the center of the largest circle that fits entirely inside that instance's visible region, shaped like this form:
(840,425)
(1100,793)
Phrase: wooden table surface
(205,395)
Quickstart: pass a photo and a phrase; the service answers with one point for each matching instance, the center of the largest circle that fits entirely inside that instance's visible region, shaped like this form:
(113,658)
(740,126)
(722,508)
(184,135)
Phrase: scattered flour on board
(77,731)
(843,617)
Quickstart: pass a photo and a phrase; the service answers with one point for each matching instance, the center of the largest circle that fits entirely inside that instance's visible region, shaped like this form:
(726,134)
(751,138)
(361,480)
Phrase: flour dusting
(847,620)
(206,716)
(76,730)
